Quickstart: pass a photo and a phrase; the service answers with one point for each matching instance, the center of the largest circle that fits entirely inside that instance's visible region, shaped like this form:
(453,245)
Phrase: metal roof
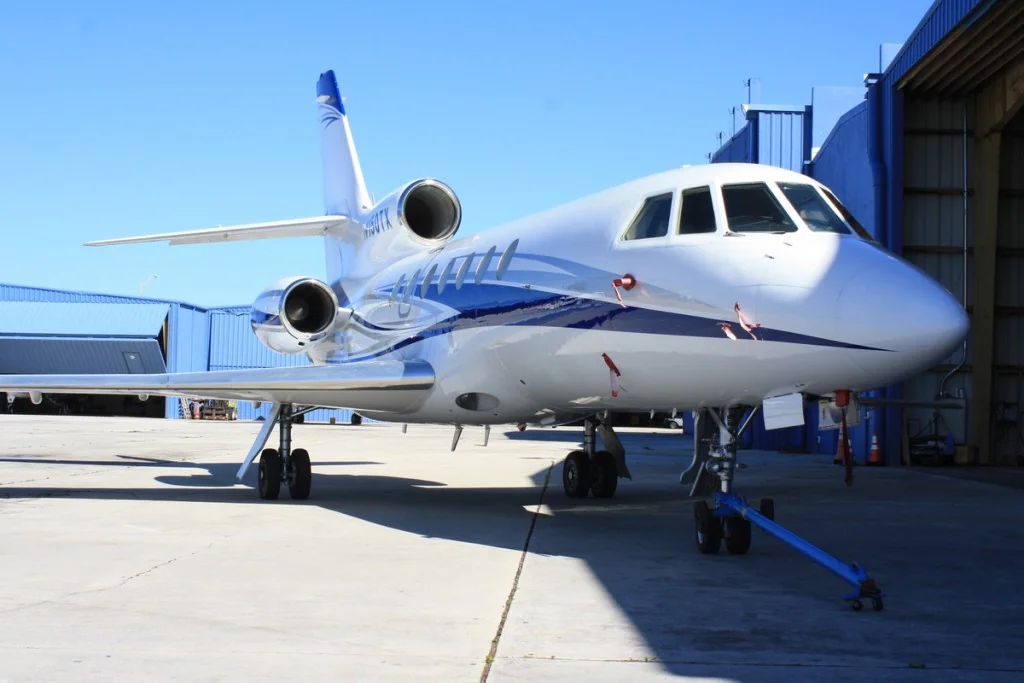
(61,355)
(971,52)
(12,292)
(81,319)
(936,24)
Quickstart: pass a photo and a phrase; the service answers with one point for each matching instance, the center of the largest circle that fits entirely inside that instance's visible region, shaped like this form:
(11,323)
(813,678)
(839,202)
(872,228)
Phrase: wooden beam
(1001,100)
(997,104)
(986,219)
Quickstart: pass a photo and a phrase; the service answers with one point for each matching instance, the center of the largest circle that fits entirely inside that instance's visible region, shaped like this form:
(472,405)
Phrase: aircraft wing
(368,385)
(298,227)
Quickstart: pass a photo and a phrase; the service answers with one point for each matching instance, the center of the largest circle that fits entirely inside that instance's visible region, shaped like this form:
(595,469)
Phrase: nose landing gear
(730,519)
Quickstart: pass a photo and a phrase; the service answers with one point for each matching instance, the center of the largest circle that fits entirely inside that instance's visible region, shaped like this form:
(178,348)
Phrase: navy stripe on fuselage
(499,305)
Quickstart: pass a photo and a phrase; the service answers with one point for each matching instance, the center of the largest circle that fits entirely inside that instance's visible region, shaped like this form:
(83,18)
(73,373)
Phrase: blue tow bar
(864,586)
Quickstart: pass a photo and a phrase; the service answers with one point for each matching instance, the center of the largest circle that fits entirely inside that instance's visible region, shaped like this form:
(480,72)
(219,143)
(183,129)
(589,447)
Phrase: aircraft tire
(302,475)
(576,475)
(737,535)
(604,475)
(270,474)
(708,529)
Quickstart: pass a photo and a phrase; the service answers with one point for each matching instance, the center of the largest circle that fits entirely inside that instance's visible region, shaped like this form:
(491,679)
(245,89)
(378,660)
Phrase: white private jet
(718,287)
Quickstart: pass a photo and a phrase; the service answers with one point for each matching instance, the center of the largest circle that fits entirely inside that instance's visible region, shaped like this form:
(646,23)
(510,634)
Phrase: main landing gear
(593,471)
(729,517)
(283,464)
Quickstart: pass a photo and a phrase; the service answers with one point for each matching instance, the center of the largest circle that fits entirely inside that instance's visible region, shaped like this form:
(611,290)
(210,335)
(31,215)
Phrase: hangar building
(55,331)
(927,153)
(930,158)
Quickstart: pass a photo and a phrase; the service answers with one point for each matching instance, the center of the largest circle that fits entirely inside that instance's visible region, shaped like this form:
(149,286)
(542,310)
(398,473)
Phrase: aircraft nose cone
(901,310)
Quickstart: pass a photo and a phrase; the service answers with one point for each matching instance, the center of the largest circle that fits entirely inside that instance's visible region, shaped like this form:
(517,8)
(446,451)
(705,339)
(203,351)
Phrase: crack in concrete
(119,584)
(515,582)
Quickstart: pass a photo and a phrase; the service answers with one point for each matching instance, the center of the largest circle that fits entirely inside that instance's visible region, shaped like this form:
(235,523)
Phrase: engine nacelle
(426,210)
(294,314)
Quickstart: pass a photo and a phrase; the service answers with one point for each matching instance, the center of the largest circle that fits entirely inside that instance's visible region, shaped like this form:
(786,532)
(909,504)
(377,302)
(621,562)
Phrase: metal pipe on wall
(963,354)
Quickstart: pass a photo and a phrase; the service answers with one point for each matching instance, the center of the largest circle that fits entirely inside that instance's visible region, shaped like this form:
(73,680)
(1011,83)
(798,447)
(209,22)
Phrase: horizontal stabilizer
(299,227)
(389,386)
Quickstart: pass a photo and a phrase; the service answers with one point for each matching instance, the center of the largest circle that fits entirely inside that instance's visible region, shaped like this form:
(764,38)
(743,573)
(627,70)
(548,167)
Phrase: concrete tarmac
(128,553)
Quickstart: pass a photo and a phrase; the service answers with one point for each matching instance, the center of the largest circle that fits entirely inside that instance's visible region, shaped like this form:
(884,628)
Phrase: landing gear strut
(591,471)
(282,464)
(730,517)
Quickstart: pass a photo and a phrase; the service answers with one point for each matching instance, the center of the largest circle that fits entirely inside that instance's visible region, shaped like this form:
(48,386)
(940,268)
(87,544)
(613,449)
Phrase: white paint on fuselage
(832,287)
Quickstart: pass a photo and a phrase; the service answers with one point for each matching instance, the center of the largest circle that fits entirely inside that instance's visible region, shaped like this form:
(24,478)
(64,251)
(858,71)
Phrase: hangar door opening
(963,210)
(83,338)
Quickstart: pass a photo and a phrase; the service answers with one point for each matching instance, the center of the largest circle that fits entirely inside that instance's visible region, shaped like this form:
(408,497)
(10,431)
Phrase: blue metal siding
(9,292)
(46,318)
(188,343)
(844,166)
(233,344)
(737,149)
(780,140)
(774,135)
(62,355)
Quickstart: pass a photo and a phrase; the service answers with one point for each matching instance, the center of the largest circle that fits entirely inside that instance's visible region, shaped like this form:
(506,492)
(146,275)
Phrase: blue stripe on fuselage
(498,305)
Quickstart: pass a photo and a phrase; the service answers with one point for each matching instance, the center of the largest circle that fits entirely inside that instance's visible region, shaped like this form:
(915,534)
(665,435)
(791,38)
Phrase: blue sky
(123,118)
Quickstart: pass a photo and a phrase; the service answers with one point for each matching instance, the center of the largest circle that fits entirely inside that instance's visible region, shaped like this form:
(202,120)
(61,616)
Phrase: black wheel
(708,528)
(576,475)
(604,475)
(856,604)
(737,535)
(768,508)
(301,475)
(357,419)
(877,604)
(270,474)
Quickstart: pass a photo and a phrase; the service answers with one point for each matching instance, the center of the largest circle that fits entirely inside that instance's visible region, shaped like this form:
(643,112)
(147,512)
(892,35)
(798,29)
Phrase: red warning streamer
(614,372)
(627,282)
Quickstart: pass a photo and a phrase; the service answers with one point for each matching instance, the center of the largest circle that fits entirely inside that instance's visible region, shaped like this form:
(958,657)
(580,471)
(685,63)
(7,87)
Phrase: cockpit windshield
(752,207)
(813,209)
(849,217)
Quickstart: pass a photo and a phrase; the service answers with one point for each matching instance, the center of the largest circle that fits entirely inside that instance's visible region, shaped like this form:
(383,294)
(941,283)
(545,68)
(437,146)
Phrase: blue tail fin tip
(327,91)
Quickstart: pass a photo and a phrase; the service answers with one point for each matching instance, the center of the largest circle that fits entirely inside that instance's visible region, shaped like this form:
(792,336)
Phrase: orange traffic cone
(875,454)
(838,460)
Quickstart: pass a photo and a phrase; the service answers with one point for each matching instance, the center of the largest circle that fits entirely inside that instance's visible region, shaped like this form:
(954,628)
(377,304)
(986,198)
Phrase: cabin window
(652,221)
(698,212)
(506,259)
(751,207)
(482,268)
(462,271)
(442,279)
(412,285)
(814,210)
(849,217)
(427,279)
(397,288)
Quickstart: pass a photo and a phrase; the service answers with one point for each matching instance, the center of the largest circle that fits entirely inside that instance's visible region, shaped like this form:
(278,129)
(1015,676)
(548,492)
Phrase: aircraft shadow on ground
(495,517)
(638,546)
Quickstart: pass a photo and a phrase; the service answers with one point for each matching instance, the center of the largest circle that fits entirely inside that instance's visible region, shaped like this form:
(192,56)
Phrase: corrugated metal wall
(737,149)
(233,346)
(933,230)
(843,165)
(1008,378)
(774,135)
(781,139)
(10,292)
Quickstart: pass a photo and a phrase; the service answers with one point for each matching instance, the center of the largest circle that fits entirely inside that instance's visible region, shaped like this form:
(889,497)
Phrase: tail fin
(344,188)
